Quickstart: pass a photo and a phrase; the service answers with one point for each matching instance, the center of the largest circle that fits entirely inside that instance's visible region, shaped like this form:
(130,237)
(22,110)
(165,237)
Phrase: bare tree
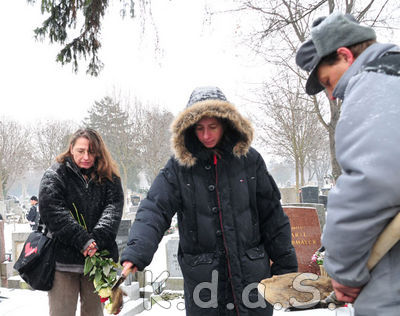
(15,153)
(318,162)
(281,171)
(288,125)
(155,143)
(50,139)
(114,124)
(285,24)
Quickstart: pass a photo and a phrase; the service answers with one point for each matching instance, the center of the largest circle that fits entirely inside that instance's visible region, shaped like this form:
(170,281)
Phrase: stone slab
(123,234)
(18,240)
(321,211)
(6,269)
(132,290)
(172,258)
(289,195)
(309,194)
(306,234)
(174,284)
(2,242)
(132,307)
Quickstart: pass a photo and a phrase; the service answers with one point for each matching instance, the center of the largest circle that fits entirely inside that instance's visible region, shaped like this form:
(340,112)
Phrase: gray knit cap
(205,93)
(327,35)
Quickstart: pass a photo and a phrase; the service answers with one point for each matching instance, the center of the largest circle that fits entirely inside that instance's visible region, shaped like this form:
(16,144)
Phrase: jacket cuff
(87,244)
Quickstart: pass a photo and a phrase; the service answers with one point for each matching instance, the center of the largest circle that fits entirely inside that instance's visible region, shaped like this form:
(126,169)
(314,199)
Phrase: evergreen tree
(115,127)
(63,16)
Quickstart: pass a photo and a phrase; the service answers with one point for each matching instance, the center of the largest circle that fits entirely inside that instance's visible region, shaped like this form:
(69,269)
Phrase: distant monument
(288,195)
(309,194)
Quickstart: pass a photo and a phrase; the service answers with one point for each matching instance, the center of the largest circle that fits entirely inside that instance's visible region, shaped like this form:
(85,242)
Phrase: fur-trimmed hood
(209,102)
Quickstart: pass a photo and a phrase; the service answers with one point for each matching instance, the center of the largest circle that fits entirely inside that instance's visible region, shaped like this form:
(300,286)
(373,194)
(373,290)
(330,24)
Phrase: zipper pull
(215,159)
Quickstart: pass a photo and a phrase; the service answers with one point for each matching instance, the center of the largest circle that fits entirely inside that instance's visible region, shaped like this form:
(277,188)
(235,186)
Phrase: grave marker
(309,194)
(123,234)
(306,235)
(172,258)
(175,280)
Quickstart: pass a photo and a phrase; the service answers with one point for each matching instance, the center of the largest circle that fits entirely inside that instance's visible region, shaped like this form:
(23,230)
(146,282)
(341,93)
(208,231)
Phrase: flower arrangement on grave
(103,272)
(318,258)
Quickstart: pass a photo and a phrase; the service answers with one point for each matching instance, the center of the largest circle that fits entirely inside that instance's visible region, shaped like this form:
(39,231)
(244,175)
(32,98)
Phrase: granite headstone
(306,235)
(123,234)
(309,194)
(172,258)
(175,279)
(321,211)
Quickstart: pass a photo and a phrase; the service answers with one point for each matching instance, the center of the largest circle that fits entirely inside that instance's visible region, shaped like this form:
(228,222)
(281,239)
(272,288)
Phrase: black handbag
(36,263)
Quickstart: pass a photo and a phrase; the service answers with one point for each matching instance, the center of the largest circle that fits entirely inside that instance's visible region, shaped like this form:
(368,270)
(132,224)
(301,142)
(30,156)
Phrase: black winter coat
(64,196)
(230,220)
(33,216)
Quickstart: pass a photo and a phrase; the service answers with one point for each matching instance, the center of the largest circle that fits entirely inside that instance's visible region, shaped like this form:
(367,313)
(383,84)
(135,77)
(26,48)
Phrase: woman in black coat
(81,202)
(233,231)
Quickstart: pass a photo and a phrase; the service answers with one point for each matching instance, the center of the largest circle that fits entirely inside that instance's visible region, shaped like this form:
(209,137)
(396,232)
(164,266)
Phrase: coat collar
(371,53)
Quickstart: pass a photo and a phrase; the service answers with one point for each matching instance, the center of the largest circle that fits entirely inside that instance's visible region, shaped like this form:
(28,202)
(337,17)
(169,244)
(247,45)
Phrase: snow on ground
(159,262)
(34,303)
(16,302)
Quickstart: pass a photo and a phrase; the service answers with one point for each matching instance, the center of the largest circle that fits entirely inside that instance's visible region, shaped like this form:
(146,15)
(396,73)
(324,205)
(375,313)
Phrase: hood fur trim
(209,108)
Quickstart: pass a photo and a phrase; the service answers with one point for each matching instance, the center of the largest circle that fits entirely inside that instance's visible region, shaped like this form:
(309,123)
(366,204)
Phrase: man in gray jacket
(344,58)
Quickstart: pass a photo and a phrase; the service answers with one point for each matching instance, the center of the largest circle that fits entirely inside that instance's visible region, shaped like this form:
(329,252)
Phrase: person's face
(329,75)
(33,202)
(209,131)
(83,158)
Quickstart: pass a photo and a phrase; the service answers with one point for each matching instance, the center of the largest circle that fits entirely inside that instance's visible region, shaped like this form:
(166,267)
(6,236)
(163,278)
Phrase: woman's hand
(90,250)
(129,267)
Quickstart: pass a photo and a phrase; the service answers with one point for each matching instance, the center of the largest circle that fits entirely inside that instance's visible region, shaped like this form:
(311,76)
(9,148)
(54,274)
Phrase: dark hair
(104,164)
(34,198)
(355,49)
(229,137)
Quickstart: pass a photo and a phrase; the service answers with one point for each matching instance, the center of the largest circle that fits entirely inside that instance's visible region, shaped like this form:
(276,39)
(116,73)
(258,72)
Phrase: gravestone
(321,211)
(3,210)
(175,279)
(18,241)
(123,234)
(309,194)
(3,277)
(323,199)
(172,257)
(306,235)
(2,242)
(288,195)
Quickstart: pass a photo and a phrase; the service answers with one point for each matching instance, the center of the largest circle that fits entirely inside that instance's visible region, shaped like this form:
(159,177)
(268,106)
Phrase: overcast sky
(192,54)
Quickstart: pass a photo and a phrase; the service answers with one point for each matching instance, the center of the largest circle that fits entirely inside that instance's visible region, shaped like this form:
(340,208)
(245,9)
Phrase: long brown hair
(105,165)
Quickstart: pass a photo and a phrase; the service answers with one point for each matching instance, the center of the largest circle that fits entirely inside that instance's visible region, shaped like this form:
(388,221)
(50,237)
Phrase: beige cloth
(63,297)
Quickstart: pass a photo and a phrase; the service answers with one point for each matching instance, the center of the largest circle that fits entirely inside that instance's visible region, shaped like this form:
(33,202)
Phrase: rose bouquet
(318,258)
(103,272)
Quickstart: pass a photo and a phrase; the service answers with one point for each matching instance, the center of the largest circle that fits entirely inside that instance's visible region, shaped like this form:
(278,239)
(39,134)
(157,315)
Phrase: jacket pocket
(195,260)
(198,268)
(255,264)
